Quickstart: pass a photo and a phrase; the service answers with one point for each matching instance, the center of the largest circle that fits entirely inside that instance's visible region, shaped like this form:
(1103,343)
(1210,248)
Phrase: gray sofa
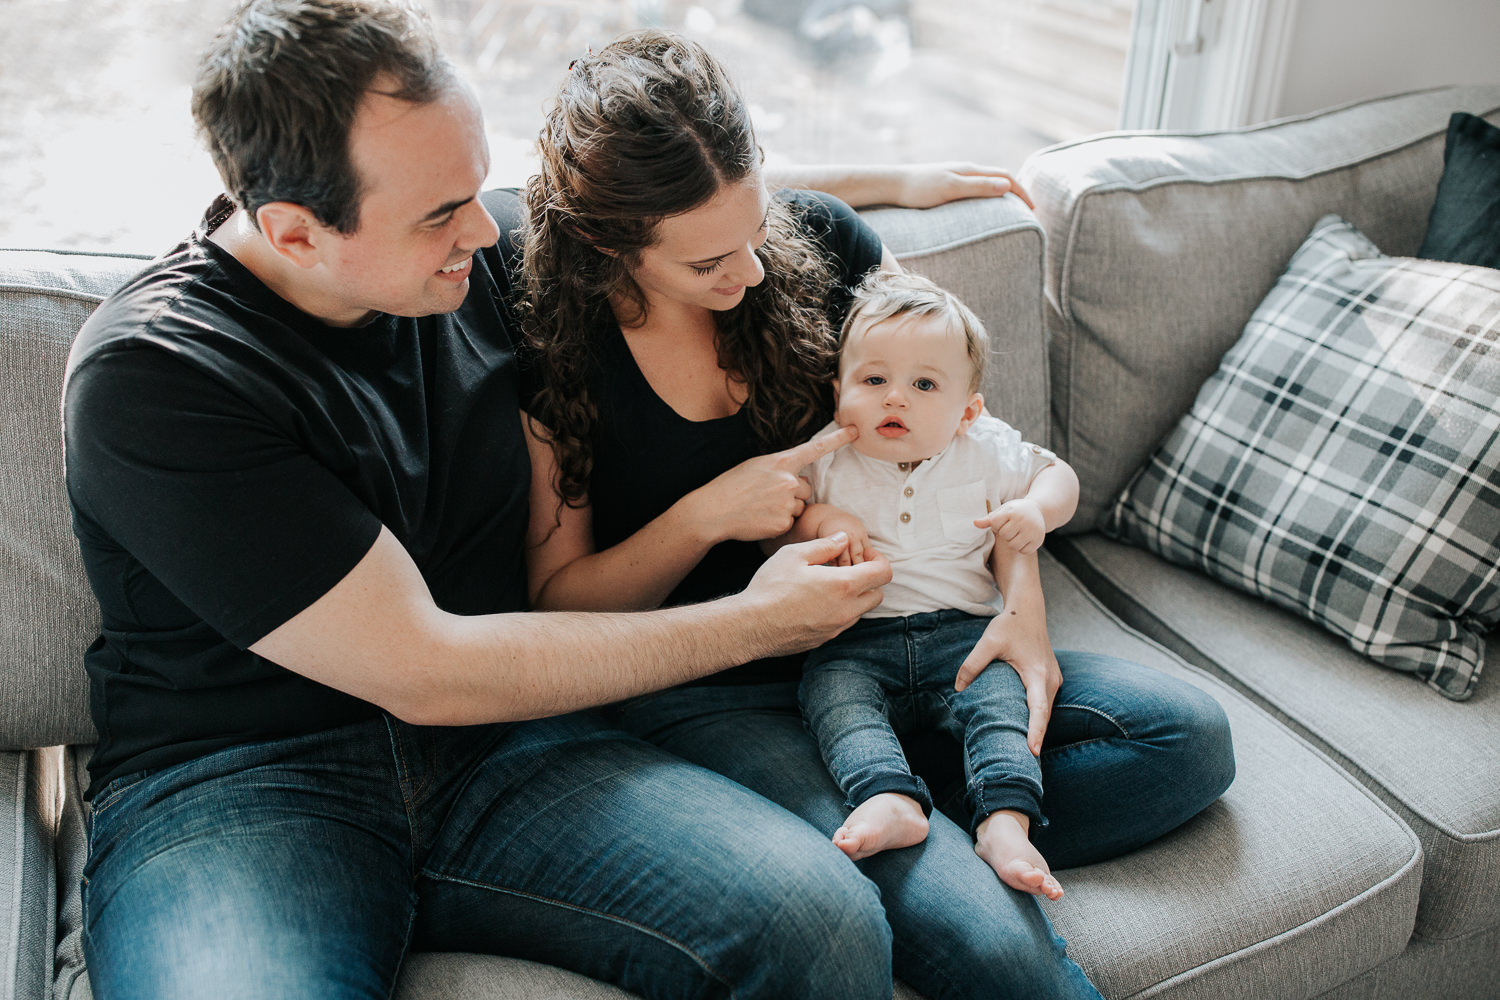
(1357,853)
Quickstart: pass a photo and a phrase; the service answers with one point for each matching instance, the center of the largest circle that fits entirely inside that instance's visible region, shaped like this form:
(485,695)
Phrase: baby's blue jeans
(895,675)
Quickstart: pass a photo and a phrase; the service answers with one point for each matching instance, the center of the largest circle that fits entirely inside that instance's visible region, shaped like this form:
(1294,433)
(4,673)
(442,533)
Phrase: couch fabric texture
(1357,853)
(1207,224)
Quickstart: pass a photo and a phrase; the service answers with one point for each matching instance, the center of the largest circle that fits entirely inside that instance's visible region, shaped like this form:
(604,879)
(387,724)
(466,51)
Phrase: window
(97,149)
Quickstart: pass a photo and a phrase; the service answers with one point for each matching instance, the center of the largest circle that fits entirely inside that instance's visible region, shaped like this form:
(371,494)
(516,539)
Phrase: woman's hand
(1018,635)
(761,497)
(924,185)
(915,185)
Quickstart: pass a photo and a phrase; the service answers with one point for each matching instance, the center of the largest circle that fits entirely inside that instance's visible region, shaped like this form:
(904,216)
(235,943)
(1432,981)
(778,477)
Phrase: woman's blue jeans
(308,867)
(889,675)
(1129,754)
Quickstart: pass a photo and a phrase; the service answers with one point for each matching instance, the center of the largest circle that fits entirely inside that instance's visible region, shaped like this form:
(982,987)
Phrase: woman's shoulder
(838,228)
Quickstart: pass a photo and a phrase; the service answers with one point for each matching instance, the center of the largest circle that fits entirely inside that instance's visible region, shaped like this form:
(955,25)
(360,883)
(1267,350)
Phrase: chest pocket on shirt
(958,506)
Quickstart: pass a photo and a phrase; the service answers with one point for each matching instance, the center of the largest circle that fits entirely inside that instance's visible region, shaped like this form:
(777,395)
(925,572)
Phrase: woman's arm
(756,499)
(1018,635)
(918,185)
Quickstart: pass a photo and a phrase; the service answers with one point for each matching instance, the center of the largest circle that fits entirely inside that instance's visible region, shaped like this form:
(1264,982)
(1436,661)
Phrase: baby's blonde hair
(884,294)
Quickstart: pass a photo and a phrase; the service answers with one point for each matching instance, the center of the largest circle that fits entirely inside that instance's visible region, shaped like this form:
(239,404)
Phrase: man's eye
(925,384)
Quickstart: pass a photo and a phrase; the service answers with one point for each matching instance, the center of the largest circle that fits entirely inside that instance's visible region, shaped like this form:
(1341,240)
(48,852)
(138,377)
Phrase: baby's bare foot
(881,823)
(1003,841)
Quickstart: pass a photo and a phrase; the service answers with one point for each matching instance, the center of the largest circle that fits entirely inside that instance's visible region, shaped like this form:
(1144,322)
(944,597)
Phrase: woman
(683,325)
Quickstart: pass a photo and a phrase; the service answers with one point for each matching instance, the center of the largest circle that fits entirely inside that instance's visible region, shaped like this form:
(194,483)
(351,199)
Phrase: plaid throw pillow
(1343,460)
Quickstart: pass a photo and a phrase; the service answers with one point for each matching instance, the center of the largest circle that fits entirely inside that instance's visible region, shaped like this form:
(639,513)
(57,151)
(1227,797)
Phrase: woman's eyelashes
(706,269)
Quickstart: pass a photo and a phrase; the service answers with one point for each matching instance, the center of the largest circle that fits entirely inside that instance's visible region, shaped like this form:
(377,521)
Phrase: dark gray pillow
(1464,225)
(1344,461)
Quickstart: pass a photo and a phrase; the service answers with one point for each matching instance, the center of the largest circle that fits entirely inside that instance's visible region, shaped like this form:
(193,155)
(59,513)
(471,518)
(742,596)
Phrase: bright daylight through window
(97,150)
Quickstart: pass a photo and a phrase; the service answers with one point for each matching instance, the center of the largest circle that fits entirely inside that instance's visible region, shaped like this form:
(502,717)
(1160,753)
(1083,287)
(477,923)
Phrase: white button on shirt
(922,518)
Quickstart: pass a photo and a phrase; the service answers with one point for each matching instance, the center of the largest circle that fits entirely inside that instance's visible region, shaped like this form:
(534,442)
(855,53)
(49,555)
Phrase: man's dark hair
(278,90)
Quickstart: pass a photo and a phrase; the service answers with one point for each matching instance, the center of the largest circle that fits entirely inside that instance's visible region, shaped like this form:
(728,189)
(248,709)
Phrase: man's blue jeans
(890,675)
(308,867)
(1129,755)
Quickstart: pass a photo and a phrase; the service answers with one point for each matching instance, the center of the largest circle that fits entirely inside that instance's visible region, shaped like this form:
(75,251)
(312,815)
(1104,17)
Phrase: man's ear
(972,409)
(291,231)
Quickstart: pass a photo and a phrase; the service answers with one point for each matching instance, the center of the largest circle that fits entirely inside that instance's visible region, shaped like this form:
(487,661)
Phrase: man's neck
(238,237)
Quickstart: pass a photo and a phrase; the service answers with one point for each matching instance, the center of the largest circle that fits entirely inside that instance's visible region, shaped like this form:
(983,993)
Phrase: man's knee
(819,931)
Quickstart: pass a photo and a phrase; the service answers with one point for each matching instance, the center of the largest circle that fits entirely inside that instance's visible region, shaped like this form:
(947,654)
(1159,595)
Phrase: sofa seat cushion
(1434,761)
(1344,460)
(1296,880)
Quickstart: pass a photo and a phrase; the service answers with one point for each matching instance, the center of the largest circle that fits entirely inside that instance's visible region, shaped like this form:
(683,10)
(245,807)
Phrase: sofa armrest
(28,893)
(1161,245)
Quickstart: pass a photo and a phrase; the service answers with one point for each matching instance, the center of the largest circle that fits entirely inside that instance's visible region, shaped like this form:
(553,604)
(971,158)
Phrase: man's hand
(803,602)
(1019,523)
(762,496)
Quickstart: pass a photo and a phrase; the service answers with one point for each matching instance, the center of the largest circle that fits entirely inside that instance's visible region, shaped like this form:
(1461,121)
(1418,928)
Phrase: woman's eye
(710,269)
(925,384)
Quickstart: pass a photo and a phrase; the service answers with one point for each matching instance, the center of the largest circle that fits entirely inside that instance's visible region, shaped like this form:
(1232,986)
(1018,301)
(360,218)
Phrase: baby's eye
(874,380)
(925,384)
(710,269)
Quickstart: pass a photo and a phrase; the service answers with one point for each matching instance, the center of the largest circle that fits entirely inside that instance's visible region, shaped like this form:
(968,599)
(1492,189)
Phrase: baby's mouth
(891,428)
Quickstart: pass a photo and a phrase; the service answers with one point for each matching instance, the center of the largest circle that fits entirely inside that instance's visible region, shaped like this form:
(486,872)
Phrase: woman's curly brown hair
(648,128)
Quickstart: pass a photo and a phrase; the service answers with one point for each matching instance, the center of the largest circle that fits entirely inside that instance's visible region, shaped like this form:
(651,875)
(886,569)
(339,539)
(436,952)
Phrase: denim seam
(650,932)
(411,927)
(1103,715)
(403,772)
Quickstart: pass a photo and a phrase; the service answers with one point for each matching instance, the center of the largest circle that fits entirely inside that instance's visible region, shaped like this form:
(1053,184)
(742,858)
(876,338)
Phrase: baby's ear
(972,410)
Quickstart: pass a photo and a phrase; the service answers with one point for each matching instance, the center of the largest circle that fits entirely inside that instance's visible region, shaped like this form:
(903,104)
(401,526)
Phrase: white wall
(1346,50)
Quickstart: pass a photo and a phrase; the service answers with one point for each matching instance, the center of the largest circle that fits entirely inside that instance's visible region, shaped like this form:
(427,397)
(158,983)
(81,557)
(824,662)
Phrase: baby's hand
(1018,523)
(859,548)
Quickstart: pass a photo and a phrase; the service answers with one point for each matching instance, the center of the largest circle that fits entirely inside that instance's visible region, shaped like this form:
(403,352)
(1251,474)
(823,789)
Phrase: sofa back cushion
(1161,245)
(49,615)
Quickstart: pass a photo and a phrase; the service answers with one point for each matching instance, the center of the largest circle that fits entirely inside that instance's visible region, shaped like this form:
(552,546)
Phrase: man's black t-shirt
(647,456)
(229,459)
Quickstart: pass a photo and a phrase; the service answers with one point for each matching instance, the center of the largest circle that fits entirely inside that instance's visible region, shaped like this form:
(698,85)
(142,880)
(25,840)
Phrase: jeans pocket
(113,791)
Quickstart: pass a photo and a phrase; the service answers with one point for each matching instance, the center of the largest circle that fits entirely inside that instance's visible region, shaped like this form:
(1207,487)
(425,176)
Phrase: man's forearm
(538,664)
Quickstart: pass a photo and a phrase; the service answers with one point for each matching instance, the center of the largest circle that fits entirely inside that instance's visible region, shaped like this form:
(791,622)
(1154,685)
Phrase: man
(299,482)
